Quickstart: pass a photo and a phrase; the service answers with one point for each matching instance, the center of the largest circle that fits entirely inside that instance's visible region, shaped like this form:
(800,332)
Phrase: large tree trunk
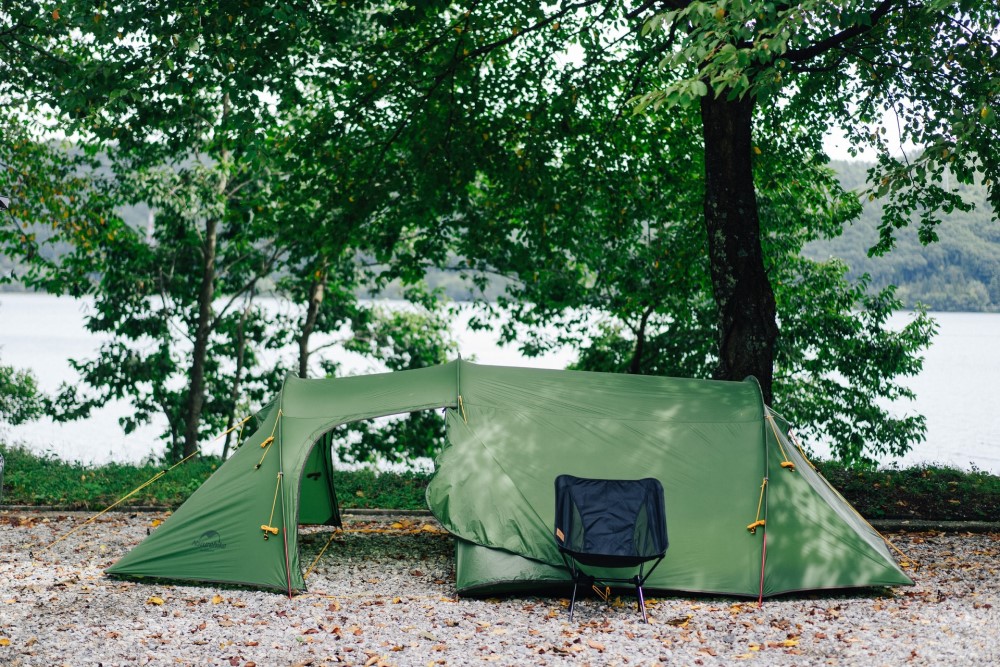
(743,296)
(203,329)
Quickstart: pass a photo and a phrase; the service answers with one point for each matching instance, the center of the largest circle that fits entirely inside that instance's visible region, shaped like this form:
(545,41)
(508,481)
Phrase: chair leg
(572,602)
(642,602)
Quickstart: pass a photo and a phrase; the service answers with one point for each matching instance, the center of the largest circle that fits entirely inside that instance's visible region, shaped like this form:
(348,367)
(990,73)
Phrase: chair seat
(606,560)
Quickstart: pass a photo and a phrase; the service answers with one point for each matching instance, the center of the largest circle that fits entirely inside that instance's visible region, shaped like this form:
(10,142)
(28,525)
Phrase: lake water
(956,390)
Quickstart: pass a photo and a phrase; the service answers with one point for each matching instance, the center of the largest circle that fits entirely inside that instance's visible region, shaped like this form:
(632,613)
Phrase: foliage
(837,357)
(402,339)
(339,146)
(213,119)
(820,66)
(848,66)
(959,272)
(925,492)
(393,490)
(928,492)
(20,399)
(634,294)
(32,479)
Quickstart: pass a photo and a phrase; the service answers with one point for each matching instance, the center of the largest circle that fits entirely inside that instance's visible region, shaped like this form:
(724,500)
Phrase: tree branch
(834,41)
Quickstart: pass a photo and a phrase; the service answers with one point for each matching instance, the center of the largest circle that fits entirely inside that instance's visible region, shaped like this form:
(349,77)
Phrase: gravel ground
(383,594)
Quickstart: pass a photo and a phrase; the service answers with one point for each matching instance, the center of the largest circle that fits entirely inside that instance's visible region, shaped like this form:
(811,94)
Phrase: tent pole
(765,494)
(281,486)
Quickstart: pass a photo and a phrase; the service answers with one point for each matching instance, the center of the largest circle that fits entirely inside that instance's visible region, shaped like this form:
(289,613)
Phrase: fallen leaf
(4,641)
(596,645)
(217,599)
(153,599)
(680,621)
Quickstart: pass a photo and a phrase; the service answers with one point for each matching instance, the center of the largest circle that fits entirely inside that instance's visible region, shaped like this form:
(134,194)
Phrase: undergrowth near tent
(929,492)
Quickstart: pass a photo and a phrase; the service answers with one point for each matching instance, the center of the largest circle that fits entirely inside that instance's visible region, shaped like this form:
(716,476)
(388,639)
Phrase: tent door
(317,496)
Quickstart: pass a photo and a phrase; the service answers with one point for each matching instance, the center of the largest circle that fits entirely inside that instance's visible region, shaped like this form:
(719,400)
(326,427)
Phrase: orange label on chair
(559,534)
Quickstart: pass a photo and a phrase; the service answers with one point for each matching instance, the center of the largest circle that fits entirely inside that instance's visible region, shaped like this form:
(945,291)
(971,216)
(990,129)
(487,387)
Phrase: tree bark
(747,325)
(316,291)
(203,329)
(234,391)
(635,367)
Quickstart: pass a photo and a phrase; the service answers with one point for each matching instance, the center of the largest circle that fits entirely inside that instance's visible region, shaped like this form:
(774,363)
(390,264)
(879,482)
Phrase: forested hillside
(960,272)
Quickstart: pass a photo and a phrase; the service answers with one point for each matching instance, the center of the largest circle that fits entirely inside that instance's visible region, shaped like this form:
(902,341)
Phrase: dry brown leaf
(596,645)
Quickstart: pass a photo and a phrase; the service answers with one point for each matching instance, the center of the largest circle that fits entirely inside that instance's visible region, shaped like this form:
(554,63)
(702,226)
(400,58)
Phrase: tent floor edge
(152,580)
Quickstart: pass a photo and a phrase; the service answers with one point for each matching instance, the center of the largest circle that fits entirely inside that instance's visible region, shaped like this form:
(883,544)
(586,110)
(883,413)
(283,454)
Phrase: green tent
(747,514)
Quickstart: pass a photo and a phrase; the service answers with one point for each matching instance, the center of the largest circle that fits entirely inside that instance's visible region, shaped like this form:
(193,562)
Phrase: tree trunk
(316,290)
(234,392)
(744,300)
(203,329)
(635,367)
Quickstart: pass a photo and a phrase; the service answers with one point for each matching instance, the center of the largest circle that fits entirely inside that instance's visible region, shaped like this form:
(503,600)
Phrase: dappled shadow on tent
(516,434)
(816,540)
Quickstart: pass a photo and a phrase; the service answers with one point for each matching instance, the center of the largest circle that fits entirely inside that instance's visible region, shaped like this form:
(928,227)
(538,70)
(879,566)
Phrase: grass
(928,492)
(935,493)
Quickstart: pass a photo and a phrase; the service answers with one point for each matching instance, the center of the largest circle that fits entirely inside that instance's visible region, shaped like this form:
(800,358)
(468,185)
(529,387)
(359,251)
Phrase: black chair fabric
(610,524)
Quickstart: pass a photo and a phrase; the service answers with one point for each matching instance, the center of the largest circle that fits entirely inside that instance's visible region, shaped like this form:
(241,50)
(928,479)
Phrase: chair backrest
(610,522)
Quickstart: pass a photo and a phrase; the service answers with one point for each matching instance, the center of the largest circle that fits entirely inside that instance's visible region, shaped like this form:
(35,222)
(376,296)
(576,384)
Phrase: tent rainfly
(746,512)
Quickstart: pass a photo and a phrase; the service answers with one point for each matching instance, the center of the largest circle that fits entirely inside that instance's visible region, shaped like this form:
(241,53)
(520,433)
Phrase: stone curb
(918,525)
(882,525)
(347,511)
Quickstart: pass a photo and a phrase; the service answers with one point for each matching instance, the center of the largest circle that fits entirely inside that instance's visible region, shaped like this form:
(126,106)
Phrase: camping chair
(610,523)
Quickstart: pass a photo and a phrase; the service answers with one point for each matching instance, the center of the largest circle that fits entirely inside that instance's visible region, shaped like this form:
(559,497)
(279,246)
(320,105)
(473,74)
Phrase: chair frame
(582,577)
(575,561)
